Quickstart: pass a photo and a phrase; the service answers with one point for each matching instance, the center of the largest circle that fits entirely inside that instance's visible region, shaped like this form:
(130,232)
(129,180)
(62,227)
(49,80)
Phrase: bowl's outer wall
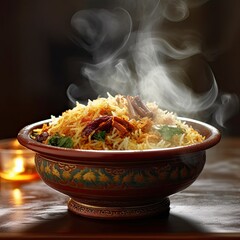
(108,184)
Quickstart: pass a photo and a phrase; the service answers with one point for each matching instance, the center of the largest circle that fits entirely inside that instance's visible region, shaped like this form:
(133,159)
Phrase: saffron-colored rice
(146,134)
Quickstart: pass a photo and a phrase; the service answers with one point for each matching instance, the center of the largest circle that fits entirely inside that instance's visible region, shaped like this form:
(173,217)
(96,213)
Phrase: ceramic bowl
(121,184)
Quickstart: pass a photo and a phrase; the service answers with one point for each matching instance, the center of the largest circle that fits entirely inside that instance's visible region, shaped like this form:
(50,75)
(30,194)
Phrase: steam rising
(149,60)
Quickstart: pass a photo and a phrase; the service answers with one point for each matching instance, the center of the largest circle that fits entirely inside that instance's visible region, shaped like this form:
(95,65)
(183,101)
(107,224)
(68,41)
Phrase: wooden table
(208,209)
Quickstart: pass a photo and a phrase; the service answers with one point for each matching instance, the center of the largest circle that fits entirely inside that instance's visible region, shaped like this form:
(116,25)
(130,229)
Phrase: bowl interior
(212,137)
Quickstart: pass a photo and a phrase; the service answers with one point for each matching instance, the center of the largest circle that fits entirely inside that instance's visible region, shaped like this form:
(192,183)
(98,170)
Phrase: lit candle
(16,162)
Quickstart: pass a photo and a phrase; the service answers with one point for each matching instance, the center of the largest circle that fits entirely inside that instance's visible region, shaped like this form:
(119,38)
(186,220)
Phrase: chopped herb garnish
(61,141)
(100,136)
(168,132)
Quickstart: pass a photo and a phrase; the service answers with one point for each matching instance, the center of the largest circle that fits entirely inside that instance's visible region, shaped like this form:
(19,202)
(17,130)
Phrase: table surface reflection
(210,208)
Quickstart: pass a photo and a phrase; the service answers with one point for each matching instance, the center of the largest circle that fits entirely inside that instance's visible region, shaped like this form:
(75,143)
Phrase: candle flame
(18,165)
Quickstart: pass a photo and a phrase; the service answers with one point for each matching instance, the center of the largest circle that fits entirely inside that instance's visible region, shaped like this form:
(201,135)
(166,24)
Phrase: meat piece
(98,123)
(137,107)
(105,123)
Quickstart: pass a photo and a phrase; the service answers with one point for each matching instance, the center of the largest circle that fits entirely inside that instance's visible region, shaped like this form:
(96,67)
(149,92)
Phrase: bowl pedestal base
(130,212)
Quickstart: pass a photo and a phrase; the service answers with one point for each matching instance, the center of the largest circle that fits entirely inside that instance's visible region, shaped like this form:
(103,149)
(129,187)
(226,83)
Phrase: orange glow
(16,162)
(17,172)
(18,165)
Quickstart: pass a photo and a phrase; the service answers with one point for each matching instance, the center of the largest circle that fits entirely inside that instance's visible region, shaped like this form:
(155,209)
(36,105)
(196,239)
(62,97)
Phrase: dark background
(39,59)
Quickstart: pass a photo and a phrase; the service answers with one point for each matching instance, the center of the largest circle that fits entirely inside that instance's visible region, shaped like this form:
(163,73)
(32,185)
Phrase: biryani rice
(146,134)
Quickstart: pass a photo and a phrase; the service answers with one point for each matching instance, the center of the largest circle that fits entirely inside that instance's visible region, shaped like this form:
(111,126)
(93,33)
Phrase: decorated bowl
(120,184)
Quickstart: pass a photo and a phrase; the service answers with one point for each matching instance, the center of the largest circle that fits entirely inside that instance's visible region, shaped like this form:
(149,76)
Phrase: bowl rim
(48,150)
